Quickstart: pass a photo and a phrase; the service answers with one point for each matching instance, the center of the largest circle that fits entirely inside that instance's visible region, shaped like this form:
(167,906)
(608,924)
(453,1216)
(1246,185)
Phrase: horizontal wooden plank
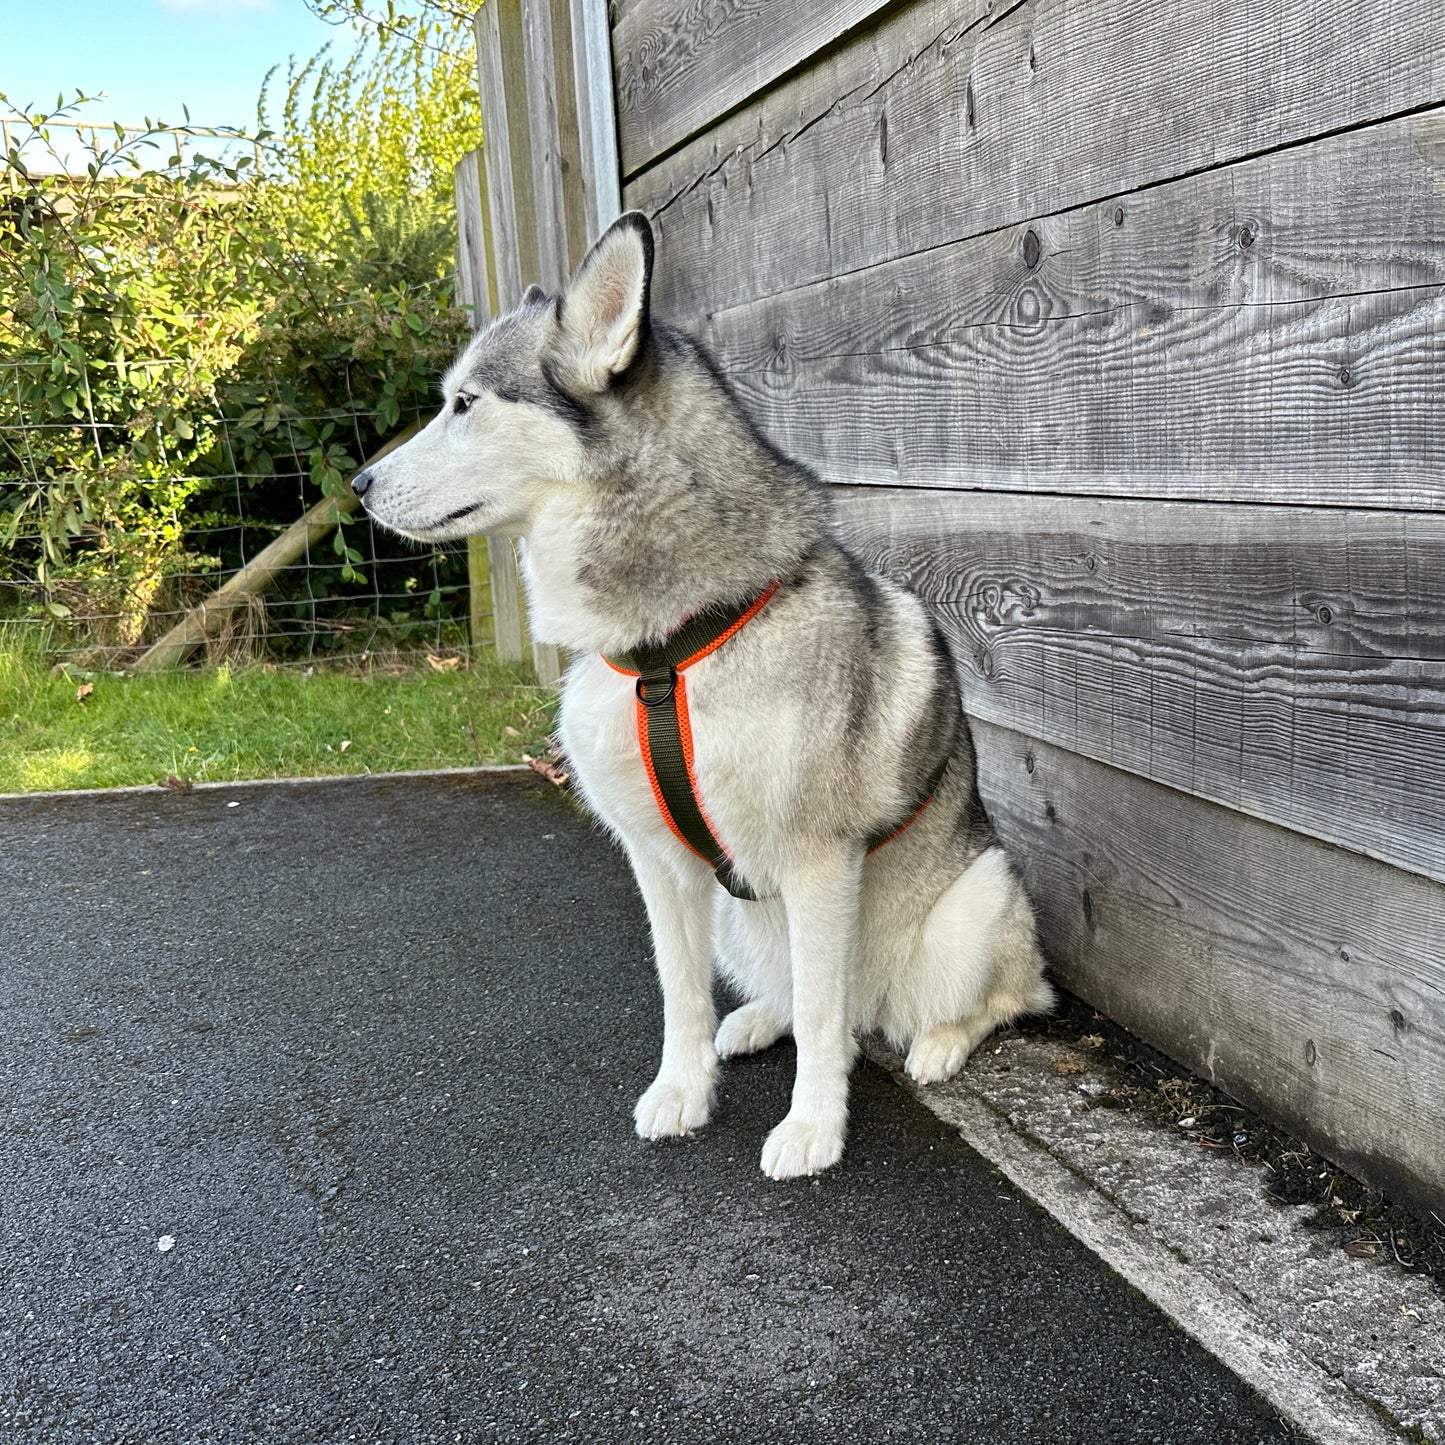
(680,65)
(1303,979)
(1279,325)
(946,122)
(1287,662)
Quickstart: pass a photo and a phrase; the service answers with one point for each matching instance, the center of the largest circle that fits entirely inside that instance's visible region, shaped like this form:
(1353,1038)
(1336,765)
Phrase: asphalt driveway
(315,1127)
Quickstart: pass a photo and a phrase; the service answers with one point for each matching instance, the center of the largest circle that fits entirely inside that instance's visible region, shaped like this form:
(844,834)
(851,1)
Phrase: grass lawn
(257,721)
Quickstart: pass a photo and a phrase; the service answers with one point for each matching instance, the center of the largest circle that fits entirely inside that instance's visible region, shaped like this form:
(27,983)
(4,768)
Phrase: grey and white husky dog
(612,445)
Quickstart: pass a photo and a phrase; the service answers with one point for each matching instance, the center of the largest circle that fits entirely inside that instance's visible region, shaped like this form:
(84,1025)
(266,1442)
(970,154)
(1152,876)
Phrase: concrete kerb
(420,775)
(1350,1355)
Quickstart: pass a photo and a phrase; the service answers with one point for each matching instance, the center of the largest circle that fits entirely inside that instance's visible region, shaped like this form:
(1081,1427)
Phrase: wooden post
(507,183)
(549,179)
(495,610)
(596,115)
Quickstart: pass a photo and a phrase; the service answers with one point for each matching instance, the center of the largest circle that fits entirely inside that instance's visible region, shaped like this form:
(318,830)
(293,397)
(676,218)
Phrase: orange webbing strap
(664,731)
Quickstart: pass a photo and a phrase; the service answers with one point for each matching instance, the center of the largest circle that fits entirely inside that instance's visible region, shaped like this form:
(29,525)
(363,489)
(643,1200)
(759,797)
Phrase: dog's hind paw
(668,1108)
(748,1030)
(801,1146)
(941,1052)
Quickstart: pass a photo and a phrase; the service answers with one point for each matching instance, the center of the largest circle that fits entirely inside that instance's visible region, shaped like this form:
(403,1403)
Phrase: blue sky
(153,56)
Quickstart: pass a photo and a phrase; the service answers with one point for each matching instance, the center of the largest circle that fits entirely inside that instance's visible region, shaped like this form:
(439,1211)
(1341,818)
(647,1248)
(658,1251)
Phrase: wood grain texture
(945,122)
(596,115)
(507,623)
(476,290)
(556,170)
(1287,662)
(476,286)
(1280,323)
(507,151)
(680,65)
(1305,980)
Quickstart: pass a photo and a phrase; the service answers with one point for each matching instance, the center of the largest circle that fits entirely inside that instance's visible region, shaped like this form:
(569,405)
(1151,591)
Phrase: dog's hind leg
(752,954)
(676,893)
(983,966)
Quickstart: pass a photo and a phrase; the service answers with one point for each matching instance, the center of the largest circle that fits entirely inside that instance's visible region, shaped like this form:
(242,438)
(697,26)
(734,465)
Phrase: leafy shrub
(169,333)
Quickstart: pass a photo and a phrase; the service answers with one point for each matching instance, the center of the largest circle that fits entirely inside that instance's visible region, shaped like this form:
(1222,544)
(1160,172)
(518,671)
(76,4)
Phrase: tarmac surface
(315,1126)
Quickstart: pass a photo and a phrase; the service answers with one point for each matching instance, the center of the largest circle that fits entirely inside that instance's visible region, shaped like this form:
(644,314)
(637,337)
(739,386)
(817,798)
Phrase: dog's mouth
(459,515)
(440,529)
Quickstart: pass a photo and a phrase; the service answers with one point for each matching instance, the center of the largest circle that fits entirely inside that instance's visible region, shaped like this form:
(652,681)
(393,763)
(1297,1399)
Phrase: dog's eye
(462,403)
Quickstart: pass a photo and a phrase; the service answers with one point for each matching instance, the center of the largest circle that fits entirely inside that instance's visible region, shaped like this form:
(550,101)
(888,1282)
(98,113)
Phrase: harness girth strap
(665,734)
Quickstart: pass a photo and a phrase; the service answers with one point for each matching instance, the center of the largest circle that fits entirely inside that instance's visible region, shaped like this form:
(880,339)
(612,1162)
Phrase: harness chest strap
(664,731)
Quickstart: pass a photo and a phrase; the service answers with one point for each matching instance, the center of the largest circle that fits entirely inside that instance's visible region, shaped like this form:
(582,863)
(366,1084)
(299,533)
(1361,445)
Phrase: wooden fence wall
(530,200)
(1121,328)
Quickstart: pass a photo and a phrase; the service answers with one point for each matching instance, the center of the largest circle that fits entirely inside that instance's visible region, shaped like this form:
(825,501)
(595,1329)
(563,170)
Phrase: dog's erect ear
(532,295)
(604,312)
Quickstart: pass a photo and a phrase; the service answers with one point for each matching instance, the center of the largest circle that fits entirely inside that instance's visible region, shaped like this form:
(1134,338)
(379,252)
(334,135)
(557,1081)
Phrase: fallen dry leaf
(1362,1249)
(442,664)
(84,691)
(346,743)
(1068,1064)
(511,732)
(173,784)
(548,769)
(1092,1041)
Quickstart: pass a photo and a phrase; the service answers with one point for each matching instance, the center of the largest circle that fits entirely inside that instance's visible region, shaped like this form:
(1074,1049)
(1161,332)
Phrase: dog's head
(518,401)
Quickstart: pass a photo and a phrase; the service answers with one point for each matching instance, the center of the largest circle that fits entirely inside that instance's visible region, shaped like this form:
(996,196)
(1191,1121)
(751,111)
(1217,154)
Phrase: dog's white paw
(801,1146)
(941,1052)
(671,1107)
(748,1030)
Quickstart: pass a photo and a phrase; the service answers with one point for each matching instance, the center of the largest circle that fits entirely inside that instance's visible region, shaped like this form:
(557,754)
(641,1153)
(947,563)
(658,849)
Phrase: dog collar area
(664,732)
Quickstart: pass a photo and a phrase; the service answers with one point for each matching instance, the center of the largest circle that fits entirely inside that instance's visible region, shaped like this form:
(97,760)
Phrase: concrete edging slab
(1153,1248)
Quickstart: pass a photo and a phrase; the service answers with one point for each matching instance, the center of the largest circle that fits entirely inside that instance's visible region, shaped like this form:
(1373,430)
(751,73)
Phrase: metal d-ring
(657,701)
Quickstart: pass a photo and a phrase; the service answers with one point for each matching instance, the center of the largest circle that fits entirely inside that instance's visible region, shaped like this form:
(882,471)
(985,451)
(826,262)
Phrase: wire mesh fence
(354,593)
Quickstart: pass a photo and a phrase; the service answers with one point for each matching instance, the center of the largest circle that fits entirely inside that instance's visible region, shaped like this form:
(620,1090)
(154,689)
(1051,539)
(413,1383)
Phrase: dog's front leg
(820,894)
(678,897)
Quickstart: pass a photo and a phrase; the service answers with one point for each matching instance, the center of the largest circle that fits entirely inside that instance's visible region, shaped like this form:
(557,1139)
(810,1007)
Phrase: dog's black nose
(360,482)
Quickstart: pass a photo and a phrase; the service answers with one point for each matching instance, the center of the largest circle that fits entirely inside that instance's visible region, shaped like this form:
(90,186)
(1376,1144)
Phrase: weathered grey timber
(492,579)
(507,153)
(1281,344)
(1285,661)
(674,78)
(1306,980)
(949,121)
(596,119)
(476,274)
(520,216)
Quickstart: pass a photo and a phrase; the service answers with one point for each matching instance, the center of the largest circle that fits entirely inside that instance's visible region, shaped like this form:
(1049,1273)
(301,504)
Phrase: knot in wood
(1031,248)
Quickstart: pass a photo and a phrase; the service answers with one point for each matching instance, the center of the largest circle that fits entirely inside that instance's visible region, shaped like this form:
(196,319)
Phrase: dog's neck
(627,562)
